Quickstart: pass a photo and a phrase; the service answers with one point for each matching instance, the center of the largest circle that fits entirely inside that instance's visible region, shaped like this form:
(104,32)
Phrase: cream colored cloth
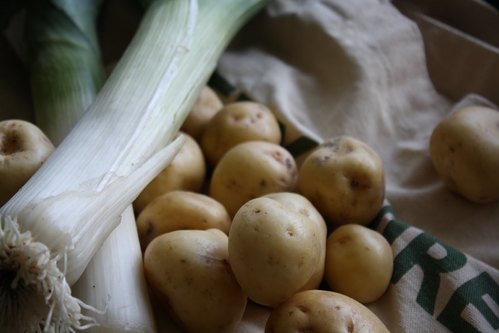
(358,68)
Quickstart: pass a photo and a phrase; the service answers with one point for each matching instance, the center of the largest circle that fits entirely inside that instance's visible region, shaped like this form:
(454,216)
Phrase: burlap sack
(358,68)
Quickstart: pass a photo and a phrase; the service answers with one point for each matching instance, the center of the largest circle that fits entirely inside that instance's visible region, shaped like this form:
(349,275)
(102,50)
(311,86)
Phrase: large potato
(464,149)
(236,123)
(275,250)
(252,169)
(322,311)
(359,262)
(344,178)
(186,172)
(176,210)
(207,105)
(189,270)
(301,205)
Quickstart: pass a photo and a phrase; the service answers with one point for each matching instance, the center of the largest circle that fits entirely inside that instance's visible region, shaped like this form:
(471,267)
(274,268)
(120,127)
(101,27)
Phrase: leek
(66,73)
(54,225)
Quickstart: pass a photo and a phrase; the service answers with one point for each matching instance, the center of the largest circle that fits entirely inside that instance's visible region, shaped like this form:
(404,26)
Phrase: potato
(344,178)
(189,270)
(359,262)
(275,250)
(464,149)
(302,205)
(186,172)
(23,149)
(207,105)
(322,311)
(252,169)
(236,123)
(178,210)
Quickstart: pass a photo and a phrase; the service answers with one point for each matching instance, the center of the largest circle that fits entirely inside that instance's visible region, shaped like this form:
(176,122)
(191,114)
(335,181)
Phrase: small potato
(252,169)
(207,105)
(189,270)
(178,210)
(236,123)
(344,178)
(359,262)
(464,149)
(23,149)
(275,250)
(186,172)
(322,311)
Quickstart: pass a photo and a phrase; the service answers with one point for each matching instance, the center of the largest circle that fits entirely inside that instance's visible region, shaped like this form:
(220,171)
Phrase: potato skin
(359,262)
(464,149)
(344,178)
(274,251)
(186,172)
(206,106)
(301,205)
(322,311)
(252,169)
(190,272)
(177,210)
(236,123)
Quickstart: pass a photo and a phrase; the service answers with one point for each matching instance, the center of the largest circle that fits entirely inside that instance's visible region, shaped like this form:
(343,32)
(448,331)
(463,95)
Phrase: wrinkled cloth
(358,68)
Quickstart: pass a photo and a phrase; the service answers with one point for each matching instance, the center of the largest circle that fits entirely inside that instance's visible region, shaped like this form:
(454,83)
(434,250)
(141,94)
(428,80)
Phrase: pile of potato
(234,219)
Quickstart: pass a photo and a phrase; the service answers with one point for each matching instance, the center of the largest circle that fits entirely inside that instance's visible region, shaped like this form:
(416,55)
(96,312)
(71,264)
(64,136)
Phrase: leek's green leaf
(65,62)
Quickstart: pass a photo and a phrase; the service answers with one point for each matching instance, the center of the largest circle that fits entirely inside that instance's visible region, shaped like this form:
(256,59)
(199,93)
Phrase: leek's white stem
(114,281)
(70,206)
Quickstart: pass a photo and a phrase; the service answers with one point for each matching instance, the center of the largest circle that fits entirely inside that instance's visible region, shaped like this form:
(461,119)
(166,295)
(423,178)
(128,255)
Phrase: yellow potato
(186,172)
(236,123)
(207,105)
(23,149)
(176,210)
(359,262)
(274,250)
(344,178)
(252,169)
(464,149)
(189,270)
(322,311)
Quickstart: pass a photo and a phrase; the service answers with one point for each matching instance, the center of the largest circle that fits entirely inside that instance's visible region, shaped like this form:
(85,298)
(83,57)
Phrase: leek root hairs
(33,290)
